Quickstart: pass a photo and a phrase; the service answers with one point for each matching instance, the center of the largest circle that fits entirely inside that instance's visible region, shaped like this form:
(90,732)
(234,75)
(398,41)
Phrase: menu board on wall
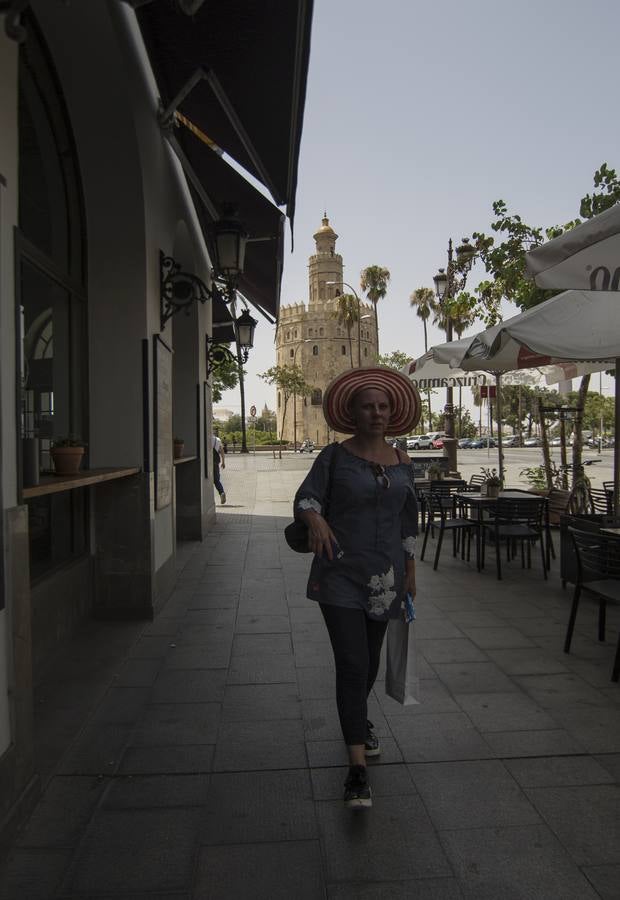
(163,423)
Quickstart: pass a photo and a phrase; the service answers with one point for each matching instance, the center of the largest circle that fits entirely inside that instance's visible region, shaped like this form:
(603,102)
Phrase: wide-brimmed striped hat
(403,396)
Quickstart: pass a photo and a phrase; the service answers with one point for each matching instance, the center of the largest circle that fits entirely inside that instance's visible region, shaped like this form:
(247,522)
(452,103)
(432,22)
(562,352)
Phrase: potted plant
(492,482)
(178,447)
(536,478)
(67,453)
(433,473)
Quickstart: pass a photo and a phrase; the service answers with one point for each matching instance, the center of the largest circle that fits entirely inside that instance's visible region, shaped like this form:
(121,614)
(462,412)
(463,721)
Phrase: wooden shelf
(56,484)
(183,459)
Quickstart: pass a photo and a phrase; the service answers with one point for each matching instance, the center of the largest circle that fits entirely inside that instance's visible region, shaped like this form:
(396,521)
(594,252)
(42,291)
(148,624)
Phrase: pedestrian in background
(219,459)
(358,503)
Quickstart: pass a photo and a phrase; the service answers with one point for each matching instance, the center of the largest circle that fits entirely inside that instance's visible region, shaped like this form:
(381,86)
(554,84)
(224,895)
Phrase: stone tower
(311,337)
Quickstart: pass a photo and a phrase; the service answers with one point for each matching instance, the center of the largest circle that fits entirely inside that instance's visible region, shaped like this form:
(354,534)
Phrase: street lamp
(359,317)
(449,282)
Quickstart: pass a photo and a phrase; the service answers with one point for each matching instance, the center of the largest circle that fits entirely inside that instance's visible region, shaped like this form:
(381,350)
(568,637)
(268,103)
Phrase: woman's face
(371,411)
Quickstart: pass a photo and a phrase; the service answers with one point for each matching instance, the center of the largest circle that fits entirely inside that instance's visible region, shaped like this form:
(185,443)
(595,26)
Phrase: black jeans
(356,642)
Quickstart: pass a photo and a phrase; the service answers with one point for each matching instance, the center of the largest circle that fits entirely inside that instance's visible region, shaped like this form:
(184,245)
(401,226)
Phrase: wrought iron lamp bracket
(218,353)
(178,289)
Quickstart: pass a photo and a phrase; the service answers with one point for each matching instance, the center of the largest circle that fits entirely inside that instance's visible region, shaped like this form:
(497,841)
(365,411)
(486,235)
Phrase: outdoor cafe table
(476,501)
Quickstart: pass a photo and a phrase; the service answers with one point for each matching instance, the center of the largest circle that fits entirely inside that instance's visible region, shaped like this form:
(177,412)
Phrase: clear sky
(419,115)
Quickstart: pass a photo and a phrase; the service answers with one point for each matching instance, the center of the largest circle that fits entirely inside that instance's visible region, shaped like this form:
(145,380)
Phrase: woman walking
(358,503)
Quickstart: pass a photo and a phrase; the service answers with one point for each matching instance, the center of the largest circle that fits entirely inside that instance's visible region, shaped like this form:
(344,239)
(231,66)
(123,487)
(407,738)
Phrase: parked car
(437,444)
(306,447)
(465,444)
(555,442)
(513,441)
(419,442)
(532,442)
(433,435)
(481,443)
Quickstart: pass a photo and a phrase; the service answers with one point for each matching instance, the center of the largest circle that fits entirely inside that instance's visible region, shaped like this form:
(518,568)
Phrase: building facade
(311,337)
(105,189)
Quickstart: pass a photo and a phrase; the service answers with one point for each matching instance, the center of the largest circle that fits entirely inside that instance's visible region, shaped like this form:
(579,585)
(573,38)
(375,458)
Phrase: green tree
(394,360)
(266,421)
(505,264)
(347,314)
(374,281)
(225,376)
(290,382)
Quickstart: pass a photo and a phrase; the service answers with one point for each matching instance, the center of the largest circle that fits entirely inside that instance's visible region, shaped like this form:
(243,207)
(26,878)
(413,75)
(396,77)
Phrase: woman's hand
(410,587)
(320,535)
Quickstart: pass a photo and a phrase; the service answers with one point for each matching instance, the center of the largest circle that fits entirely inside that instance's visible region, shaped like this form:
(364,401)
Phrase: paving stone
(313,655)
(96,751)
(161,626)
(245,746)
(334,753)
(189,686)
(476,619)
(175,724)
(248,807)
(526,662)
(497,638)
(532,743)
(207,618)
(437,628)
(167,760)
(424,889)
(309,614)
(604,880)
(258,644)
(560,771)
(206,636)
(138,850)
(33,874)
(122,705)
(386,780)
(317,683)
(519,863)
(504,712)
(433,738)
(550,691)
(309,632)
(584,818)
(262,670)
(473,677)
(264,871)
(393,842)
(137,673)
(454,798)
(597,728)
(63,812)
(152,646)
(257,624)
(152,791)
(450,650)
(214,656)
(260,702)
(611,762)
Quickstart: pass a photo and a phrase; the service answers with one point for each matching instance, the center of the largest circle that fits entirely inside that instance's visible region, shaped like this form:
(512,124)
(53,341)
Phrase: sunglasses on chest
(381,475)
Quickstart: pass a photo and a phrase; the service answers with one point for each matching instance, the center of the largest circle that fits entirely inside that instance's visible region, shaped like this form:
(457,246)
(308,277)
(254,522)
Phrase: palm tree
(460,312)
(347,314)
(374,282)
(424,303)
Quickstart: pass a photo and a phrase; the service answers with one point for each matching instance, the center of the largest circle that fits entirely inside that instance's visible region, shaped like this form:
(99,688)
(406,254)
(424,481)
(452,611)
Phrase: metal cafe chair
(601,500)
(598,571)
(447,521)
(476,480)
(515,521)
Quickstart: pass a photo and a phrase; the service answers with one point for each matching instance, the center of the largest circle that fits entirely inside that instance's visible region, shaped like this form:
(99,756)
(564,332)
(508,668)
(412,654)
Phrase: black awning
(223,329)
(259,54)
(264,222)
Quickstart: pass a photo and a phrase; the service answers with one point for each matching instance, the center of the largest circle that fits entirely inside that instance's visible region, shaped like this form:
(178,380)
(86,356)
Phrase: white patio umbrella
(586,257)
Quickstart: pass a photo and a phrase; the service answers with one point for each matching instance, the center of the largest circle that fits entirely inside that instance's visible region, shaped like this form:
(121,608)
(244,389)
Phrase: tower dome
(325,237)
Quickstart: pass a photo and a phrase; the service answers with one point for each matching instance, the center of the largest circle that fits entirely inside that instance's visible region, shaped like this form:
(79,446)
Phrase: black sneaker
(372,747)
(357,793)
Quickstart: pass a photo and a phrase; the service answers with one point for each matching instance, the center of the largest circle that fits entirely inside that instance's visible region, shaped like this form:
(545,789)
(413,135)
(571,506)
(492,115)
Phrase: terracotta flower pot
(67,460)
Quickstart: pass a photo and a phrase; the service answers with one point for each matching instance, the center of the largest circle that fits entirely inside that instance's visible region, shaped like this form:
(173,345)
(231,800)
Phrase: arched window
(316,398)
(365,351)
(321,290)
(288,335)
(309,332)
(315,350)
(343,350)
(321,332)
(295,334)
(291,353)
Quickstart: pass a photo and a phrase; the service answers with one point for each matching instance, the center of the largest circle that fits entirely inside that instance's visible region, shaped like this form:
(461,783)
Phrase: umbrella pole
(500,447)
(616,446)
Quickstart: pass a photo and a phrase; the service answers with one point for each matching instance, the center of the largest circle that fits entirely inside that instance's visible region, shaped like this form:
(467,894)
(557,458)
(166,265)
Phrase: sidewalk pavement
(208,761)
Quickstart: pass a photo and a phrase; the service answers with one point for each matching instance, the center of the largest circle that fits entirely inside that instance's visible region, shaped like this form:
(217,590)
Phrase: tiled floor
(208,761)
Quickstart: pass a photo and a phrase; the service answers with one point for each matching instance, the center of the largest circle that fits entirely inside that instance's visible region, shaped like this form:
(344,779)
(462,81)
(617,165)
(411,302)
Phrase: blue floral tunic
(375,525)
